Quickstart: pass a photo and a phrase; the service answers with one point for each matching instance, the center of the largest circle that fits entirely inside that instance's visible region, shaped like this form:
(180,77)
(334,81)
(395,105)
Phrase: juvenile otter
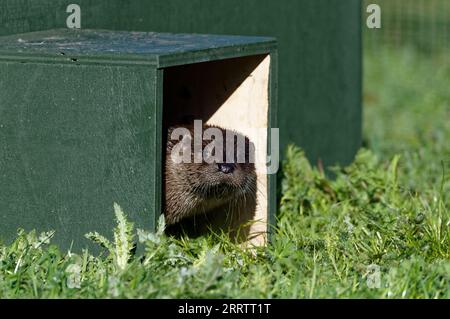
(205,180)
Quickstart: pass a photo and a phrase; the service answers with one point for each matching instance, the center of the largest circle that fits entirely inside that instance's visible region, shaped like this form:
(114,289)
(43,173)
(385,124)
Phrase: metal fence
(423,24)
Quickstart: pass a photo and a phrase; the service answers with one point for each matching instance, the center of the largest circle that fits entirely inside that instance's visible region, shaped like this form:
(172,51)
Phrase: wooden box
(83,113)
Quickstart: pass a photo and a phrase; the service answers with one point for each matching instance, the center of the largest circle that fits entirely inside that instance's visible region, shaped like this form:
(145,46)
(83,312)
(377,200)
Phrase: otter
(212,183)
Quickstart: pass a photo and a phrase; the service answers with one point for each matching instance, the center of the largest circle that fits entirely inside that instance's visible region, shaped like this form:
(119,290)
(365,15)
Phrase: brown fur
(193,189)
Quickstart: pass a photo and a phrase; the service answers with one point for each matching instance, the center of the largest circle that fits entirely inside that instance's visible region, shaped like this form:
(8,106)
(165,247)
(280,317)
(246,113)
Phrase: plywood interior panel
(233,94)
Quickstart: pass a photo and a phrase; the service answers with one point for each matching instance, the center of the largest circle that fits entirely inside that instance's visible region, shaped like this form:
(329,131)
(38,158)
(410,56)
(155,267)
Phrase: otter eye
(226,168)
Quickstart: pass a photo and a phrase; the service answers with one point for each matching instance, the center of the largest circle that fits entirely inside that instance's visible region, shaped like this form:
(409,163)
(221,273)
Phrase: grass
(380,229)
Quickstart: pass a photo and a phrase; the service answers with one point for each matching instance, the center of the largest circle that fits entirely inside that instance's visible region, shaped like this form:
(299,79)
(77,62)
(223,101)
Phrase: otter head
(205,170)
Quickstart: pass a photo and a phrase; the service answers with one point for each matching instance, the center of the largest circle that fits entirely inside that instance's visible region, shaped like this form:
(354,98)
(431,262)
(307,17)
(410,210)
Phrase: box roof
(124,47)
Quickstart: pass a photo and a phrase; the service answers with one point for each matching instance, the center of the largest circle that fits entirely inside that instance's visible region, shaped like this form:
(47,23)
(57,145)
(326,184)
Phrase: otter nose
(226,168)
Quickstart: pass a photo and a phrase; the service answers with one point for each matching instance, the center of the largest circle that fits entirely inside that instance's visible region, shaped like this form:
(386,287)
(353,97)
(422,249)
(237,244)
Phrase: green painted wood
(272,185)
(75,139)
(319,42)
(20,16)
(81,117)
(319,53)
(102,46)
(319,45)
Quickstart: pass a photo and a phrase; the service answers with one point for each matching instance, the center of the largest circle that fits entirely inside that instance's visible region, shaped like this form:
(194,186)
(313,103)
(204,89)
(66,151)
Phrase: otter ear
(179,145)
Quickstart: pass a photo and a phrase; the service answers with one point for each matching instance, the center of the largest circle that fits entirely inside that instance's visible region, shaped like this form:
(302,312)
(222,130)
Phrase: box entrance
(232,94)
